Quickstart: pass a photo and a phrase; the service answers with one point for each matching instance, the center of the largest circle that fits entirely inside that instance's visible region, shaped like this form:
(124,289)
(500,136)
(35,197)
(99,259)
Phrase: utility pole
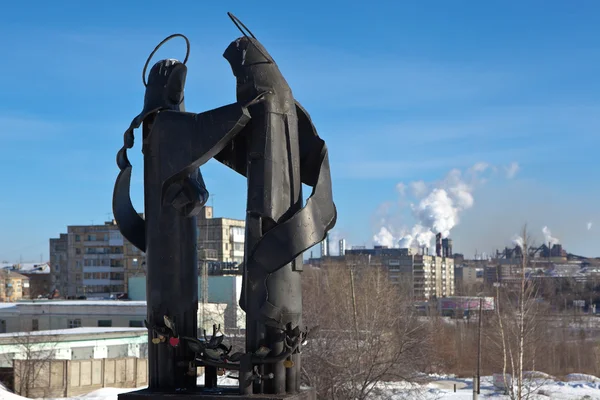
(479,347)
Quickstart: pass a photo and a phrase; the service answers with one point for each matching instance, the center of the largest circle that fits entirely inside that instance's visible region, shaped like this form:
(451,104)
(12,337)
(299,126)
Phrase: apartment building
(40,279)
(220,239)
(58,261)
(13,286)
(424,276)
(92,260)
(97,261)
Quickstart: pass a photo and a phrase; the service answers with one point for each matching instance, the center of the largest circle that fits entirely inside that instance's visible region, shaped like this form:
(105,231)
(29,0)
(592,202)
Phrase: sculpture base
(223,393)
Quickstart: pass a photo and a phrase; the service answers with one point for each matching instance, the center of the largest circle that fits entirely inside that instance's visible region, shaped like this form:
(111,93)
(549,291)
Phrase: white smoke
(548,238)
(418,237)
(401,189)
(418,188)
(334,242)
(385,238)
(518,241)
(437,208)
(589,225)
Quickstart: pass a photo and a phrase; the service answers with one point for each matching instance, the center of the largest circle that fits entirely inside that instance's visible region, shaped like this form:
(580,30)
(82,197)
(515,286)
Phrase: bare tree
(519,327)
(31,361)
(369,332)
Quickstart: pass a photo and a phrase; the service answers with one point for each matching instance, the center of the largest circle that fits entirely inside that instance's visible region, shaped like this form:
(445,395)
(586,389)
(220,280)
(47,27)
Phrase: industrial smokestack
(438,245)
(447,247)
(325,247)
(342,246)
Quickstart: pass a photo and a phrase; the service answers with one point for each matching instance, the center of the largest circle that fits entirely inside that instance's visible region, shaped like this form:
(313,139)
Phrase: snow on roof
(76,331)
(27,268)
(83,303)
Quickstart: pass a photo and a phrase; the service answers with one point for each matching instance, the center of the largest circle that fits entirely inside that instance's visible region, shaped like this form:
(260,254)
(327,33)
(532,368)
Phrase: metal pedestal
(224,393)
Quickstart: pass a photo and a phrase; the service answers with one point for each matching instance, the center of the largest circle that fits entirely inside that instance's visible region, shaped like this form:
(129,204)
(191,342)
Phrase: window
(74,323)
(105,322)
(136,324)
(35,325)
(77,238)
(91,238)
(116,276)
(77,250)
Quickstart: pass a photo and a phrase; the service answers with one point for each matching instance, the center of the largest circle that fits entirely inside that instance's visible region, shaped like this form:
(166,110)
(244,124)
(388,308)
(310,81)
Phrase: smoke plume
(518,241)
(435,206)
(334,242)
(548,238)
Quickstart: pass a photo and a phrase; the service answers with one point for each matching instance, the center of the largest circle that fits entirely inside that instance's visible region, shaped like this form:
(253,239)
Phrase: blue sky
(401,91)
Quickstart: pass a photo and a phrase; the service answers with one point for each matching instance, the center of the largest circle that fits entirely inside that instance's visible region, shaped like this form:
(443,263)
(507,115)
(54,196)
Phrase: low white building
(43,315)
(74,344)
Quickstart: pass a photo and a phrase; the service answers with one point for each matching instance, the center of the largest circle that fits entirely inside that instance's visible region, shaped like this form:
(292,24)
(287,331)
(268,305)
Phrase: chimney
(325,247)
(342,247)
(438,245)
(447,247)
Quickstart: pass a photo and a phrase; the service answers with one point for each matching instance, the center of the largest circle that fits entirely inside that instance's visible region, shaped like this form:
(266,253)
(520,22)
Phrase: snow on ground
(578,386)
(444,389)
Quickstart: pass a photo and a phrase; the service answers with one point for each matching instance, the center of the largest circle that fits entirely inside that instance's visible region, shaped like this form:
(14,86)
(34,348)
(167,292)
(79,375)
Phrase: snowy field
(576,386)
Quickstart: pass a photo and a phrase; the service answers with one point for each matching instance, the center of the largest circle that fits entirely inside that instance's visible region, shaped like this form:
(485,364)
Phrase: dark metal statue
(175,143)
(270,139)
(277,151)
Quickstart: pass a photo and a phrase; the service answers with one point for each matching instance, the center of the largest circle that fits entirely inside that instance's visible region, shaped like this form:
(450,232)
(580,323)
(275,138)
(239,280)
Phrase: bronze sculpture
(270,139)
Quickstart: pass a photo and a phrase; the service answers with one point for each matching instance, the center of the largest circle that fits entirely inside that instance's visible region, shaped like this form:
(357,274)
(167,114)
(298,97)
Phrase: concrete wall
(67,378)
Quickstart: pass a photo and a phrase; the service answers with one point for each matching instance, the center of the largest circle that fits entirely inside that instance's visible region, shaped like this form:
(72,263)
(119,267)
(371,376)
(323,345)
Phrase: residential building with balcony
(423,276)
(13,286)
(220,239)
(94,261)
(97,261)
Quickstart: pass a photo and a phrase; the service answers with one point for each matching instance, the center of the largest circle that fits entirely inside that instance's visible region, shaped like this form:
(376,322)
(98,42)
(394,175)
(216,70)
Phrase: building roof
(12,275)
(59,335)
(78,331)
(83,303)
(26,268)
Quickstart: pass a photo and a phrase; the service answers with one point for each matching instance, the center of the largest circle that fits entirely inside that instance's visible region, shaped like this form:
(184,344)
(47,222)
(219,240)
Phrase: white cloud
(401,189)
(512,169)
